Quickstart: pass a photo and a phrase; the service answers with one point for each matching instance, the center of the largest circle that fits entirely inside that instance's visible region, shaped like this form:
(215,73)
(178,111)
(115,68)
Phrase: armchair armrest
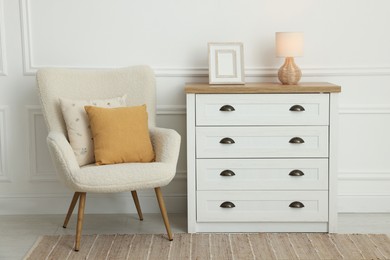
(166,144)
(62,156)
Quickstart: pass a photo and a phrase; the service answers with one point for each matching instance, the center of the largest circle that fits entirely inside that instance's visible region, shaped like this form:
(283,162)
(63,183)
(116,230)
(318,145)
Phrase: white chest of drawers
(262,157)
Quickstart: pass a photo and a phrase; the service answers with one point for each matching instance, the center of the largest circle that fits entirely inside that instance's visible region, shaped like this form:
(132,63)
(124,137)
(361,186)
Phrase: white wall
(346,42)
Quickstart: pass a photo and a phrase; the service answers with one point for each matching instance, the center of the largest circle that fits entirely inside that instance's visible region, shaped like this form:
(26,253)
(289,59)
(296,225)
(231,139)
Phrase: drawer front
(261,142)
(262,174)
(262,206)
(262,109)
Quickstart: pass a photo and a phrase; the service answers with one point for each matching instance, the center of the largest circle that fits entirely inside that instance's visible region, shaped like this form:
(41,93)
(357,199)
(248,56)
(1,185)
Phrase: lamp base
(289,73)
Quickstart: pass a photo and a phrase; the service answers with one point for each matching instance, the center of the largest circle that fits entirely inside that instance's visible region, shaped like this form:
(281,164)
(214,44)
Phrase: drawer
(262,206)
(262,174)
(262,109)
(261,142)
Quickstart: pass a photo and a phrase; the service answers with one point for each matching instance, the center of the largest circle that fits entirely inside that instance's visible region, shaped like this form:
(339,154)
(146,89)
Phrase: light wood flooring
(18,233)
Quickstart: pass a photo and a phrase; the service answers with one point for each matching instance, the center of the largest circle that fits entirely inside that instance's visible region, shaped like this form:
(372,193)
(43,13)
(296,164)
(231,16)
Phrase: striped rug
(215,246)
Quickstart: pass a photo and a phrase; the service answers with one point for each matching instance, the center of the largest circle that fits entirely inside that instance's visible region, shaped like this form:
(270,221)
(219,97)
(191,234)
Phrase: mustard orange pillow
(120,134)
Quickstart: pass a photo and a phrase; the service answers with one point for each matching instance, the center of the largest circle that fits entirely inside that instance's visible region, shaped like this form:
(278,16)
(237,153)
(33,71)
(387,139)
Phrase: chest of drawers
(261,157)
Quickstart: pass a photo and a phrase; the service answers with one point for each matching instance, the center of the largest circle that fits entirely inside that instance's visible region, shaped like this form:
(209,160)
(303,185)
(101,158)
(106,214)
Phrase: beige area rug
(216,246)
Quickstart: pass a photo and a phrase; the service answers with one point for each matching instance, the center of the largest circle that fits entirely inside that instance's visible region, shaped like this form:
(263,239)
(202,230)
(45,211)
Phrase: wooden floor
(18,233)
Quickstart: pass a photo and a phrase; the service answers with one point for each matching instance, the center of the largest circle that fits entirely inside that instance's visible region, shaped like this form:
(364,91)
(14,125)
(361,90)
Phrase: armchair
(139,84)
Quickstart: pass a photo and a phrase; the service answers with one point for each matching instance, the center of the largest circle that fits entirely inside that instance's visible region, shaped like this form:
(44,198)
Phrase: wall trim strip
(343,110)
(368,175)
(3,55)
(171,110)
(365,203)
(34,174)
(30,70)
(365,109)
(30,67)
(3,144)
(160,110)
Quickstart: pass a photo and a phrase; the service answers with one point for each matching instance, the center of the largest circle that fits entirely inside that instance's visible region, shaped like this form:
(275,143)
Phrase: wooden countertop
(263,87)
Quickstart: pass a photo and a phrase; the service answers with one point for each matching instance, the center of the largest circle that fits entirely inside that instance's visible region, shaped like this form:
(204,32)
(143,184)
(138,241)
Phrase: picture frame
(226,63)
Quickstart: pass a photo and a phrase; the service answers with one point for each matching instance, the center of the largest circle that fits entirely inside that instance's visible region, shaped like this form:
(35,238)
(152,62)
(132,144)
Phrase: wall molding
(160,109)
(322,71)
(347,109)
(346,71)
(3,61)
(3,144)
(368,175)
(364,203)
(30,67)
(181,175)
(171,110)
(30,70)
(365,109)
(35,175)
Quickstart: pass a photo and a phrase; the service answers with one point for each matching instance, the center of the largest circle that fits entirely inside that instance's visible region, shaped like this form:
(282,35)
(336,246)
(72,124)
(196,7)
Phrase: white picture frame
(226,63)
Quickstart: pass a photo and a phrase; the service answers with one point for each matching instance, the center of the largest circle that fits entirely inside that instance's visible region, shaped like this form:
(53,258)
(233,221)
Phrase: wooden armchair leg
(80,218)
(71,207)
(164,214)
(137,205)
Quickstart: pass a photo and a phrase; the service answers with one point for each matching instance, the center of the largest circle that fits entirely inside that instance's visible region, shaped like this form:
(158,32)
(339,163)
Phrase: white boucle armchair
(138,83)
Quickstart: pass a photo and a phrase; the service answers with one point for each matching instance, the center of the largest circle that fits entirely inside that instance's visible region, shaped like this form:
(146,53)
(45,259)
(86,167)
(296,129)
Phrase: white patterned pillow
(77,125)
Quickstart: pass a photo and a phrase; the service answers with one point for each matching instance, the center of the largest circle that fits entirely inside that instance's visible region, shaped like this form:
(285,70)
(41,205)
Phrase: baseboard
(95,203)
(364,204)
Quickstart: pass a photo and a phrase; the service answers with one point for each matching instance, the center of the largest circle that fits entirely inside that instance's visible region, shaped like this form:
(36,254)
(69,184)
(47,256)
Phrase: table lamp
(289,45)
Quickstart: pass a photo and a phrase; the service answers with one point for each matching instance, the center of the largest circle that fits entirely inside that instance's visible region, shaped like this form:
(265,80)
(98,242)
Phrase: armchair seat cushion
(122,177)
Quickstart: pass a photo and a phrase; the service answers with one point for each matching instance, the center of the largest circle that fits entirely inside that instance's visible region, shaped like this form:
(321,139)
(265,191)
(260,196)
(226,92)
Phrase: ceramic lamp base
(289,73)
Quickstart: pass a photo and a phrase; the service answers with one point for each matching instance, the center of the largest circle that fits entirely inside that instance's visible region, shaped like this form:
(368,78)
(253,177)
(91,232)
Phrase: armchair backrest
(137,82)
